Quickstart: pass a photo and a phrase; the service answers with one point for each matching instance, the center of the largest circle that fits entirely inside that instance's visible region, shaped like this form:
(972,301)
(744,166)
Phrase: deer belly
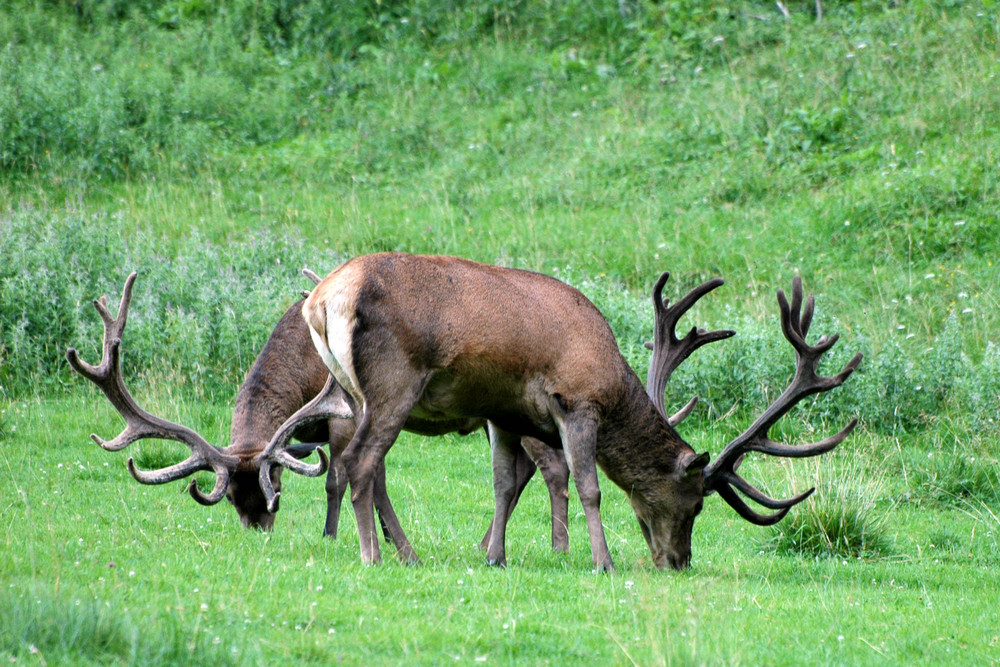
(520,406)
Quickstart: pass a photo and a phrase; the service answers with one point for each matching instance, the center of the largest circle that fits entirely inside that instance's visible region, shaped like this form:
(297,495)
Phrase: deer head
(696,476)
(236,474)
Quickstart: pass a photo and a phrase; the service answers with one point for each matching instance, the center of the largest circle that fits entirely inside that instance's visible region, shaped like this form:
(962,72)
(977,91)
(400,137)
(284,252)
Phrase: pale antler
(669,351)
(720,474)
(139,423)
(330,403)
(311,275)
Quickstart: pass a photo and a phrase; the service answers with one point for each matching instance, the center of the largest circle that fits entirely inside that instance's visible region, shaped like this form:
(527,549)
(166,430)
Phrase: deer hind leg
(504,447)
(391,529)
(524,470)
(364,459)
(336,486)
(552,464)
(579,435)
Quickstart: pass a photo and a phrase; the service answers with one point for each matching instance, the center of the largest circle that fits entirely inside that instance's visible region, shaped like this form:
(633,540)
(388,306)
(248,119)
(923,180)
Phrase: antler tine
(744,510)
(668,350)
(330,403)
(311,275)
(140,424)
(720,474)
(682,414)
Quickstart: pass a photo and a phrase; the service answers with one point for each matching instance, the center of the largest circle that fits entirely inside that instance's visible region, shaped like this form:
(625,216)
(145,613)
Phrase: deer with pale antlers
(444,338)
(285,375)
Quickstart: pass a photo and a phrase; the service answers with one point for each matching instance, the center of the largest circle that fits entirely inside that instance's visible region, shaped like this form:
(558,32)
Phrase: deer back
(488,342)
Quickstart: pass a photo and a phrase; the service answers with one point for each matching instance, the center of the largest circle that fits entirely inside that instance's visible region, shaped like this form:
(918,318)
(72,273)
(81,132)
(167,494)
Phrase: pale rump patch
(329,313)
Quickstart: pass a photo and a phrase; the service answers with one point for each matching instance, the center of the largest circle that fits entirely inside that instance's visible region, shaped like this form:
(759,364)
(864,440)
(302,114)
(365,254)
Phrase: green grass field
(217,151)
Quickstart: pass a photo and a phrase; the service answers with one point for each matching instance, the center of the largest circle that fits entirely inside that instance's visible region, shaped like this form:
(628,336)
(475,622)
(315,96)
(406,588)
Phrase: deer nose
(263,522)
(679,560)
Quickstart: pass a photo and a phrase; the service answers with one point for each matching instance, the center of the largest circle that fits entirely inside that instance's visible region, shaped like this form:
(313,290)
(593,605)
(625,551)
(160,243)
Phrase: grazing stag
(444,338)
(285,375)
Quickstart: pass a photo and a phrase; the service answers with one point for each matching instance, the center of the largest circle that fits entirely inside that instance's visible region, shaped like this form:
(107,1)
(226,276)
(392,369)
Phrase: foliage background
(217,149)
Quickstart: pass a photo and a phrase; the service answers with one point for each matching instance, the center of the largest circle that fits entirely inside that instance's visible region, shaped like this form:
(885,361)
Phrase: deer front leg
(579,435)
(336,485)
(341,432)
(504,447)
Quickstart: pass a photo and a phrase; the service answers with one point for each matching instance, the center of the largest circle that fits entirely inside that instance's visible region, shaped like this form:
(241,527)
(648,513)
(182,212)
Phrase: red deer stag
(443,338)
(285,375)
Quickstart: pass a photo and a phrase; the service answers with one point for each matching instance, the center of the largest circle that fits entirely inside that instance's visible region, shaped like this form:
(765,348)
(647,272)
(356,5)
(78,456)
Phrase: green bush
(200,317)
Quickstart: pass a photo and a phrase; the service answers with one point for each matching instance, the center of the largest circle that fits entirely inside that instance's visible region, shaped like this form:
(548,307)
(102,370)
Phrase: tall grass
(39,627)
(845,517)
(200,316)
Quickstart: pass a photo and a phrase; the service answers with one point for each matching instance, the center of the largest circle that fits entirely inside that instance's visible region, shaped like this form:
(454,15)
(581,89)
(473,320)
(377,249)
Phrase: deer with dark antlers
(285,375)
(443,338)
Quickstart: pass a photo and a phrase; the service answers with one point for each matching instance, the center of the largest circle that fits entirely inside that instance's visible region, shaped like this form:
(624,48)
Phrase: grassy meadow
(218,151)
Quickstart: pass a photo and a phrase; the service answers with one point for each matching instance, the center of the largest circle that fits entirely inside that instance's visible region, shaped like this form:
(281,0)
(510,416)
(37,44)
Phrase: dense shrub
(202,315)
(897,388)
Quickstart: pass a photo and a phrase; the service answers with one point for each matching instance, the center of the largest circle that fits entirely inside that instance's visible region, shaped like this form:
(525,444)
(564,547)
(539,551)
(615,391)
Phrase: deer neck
(284,377)
(635,443)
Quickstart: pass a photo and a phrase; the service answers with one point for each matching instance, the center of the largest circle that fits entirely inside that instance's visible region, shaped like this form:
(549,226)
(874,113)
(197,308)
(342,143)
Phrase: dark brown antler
(668,350)
(139,423)
(720,474)
(329,403)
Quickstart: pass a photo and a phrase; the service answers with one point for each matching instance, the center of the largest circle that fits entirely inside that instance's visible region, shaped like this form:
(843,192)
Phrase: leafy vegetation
(218,148)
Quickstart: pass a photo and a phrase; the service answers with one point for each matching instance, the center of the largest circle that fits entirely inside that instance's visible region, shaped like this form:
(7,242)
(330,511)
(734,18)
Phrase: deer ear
(304,449)
(691,464)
